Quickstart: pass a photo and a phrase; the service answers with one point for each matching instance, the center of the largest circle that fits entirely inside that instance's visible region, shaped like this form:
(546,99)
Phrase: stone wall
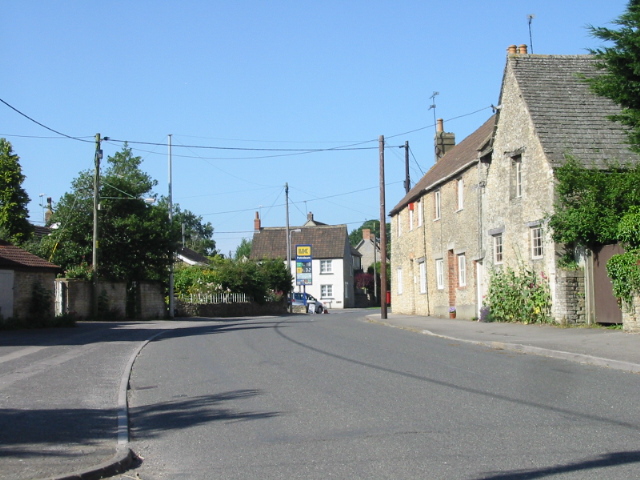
(631,316)
(75,297)
(151,303)
(231,309)
(570,296)
(23,289)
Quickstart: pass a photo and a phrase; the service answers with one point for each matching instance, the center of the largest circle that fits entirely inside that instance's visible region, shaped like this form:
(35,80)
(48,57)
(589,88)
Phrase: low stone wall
(570,297)
(631,316)
(151,303)
(23,290)
(74,297)
(229,309)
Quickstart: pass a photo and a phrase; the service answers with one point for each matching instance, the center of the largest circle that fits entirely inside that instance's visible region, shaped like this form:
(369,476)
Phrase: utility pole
(407,180)
(383,235)
(171,257)
(96,203)
(286,196)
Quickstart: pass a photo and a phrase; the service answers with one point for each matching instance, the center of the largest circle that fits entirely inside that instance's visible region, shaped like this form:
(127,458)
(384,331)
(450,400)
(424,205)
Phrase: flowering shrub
(521,296)
(452,309)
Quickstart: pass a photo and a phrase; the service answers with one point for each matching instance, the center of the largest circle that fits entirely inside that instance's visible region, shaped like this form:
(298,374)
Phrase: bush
(520,296)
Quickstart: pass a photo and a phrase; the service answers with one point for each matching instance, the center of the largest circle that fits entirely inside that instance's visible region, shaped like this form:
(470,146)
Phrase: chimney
(366,232)
(523,49)
(310,217)
(443,141)
(512,49)
(256,223)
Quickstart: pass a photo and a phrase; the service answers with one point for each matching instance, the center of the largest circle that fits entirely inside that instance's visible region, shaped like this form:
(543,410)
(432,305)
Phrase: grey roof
(567,116)
(327,241)
(457,159)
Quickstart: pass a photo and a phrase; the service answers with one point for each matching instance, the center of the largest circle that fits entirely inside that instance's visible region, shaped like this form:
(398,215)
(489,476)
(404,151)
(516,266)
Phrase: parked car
(315,305)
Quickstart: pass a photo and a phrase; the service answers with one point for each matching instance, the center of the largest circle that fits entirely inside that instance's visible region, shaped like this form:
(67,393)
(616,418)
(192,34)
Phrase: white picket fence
(216,298)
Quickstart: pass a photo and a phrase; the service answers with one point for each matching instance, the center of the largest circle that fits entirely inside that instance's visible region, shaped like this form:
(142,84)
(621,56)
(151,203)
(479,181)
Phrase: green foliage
(14,224)
(620,63)
(374,225)
(624,269)
(243,250)
(135,238)
(522,296)
(591,202)
(260,280)
(40,303)
(196,235)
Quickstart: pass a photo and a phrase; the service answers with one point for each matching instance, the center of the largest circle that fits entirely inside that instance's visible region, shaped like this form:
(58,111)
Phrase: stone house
(436,231)
(332,258)
(20,271)
(545,112)
(369,249)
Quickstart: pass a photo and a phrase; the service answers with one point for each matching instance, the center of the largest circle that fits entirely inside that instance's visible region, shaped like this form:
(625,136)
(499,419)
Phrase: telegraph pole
(171,257)
(286,195)
(383,235)
(96,203)
(407,180)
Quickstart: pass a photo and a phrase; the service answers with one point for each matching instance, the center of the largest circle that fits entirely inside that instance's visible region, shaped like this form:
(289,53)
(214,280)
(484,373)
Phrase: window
(423,277)
(460,190)
(497,248)
(516,176)
(326,291)
(399,223)
(536,242)
(462,270)
(411,207)
(325,266)
(440,273)
(399,287)
(436,199)
(420,213)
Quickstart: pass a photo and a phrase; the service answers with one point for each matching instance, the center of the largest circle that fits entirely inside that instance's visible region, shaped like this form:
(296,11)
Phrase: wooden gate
(606,305)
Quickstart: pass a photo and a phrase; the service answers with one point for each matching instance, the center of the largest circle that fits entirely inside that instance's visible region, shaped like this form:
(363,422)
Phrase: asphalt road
(337,397)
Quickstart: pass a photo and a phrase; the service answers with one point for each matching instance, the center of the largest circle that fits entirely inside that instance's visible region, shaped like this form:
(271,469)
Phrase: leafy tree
(196,235)
(374,225)
(14,226)
(621,64)
(135,238)
(623,268)
(591,202)
(243,250)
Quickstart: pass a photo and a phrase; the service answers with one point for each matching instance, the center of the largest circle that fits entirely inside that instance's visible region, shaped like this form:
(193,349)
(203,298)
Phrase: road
(334,396)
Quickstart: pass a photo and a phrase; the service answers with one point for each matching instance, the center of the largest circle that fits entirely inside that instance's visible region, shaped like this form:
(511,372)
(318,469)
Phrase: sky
(260,94)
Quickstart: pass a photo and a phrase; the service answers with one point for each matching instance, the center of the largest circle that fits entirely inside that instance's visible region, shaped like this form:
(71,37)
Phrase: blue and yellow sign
(303,265)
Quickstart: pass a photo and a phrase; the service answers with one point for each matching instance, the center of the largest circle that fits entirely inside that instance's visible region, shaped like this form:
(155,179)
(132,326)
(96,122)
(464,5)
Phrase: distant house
(191,257)
(484,205)
(20,271)
(332,264)
(369,249)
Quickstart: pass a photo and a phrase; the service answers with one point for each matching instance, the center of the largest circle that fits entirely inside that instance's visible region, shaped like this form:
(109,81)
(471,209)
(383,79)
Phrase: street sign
(303,265)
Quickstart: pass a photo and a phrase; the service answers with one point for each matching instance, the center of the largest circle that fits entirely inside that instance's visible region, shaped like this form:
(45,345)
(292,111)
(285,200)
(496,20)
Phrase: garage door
(6,293)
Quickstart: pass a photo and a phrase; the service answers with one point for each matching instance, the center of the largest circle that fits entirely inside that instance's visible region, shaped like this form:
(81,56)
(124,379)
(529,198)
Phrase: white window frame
(436,199)
(537,242)
(400,285)
(422,267)
(517,176)
(440,273)
(399,223)
(498,249)
(460,192)
(326,266)
(411,217)
(420,213)
(326,291)
(462,270)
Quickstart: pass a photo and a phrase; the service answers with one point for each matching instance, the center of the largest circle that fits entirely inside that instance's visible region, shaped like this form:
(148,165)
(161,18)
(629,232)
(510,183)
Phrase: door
(6,293)
(606,305)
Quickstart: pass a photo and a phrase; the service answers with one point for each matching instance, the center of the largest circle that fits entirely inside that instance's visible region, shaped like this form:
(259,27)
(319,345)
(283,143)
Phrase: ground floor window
(326,291)
(440,273)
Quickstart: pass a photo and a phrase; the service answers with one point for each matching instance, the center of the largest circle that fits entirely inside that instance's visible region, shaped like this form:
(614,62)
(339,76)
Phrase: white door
(6,293)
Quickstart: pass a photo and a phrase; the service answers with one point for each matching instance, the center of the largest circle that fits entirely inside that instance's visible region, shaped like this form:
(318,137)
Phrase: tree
(14,223)
(196,235)
(374,225)
(621,63)
(135,238)
(623,268)
(591,202)
(243,250)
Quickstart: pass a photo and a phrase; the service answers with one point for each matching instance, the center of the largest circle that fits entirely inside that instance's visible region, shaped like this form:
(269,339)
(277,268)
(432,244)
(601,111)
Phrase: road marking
(20,353)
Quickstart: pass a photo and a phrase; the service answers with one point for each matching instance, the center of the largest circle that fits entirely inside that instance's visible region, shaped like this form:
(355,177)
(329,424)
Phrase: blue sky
(247,85)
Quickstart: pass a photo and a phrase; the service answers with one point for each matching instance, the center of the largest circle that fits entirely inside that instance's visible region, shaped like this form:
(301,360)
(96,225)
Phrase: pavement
(63,392)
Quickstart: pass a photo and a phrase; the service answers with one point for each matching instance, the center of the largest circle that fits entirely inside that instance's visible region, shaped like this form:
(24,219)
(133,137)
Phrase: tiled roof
(460,157)
(567,116)
(191,256)
(12,257)
(327,241)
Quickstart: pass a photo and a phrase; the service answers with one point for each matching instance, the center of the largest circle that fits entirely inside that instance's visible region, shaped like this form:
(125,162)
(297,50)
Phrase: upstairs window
(460,192)
(436,201)
(516,176)
(326,266)
(420,213)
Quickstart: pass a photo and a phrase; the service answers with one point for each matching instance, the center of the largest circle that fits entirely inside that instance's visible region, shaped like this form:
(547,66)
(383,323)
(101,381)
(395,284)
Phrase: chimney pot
(512,49)
(440,127)
(523,49)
